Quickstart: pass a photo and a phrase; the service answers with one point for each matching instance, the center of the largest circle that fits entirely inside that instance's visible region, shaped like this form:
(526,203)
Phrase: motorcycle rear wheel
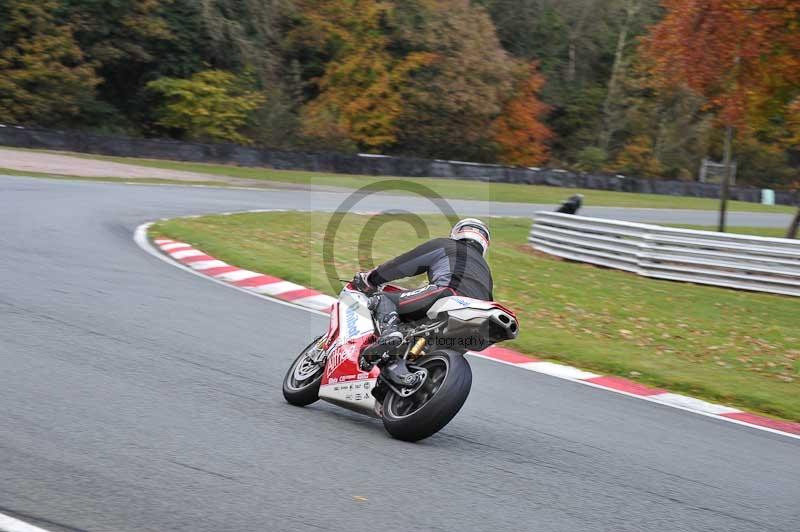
(301,383)
(427,411)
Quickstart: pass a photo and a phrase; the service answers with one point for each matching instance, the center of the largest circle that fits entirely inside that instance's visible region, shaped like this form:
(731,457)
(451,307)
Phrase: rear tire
(301,383)
(446,393)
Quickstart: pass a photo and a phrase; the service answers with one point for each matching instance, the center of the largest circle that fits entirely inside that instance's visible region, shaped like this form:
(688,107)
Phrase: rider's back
(457,264)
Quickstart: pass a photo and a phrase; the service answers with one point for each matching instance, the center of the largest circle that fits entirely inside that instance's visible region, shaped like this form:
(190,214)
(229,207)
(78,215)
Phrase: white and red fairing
(465,308)
(351,329)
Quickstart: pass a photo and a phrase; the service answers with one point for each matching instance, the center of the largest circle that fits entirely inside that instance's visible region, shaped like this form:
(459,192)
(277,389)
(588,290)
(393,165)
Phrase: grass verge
(450,188)
(734,347)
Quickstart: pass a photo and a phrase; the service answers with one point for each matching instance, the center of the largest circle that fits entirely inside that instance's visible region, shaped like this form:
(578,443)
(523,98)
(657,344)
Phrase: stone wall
(359,164)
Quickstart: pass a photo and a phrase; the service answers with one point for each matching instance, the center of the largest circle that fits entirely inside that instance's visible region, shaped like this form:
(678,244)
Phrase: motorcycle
(342,366)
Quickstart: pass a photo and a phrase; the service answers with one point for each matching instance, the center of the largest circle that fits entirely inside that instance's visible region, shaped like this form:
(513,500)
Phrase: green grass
(452,188)
(27,173)
(734,347)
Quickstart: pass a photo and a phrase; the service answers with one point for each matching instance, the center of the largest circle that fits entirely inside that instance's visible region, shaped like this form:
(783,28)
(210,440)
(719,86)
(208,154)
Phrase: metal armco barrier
(721,259)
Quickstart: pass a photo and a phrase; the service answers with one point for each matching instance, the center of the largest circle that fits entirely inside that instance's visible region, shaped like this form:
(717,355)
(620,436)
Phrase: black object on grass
(571,204)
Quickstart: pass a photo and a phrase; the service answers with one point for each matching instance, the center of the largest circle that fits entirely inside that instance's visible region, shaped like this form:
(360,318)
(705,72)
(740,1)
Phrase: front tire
(427,411)
(301,383)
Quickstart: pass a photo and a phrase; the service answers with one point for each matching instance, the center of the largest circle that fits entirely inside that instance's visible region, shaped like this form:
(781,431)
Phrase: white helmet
(472,229)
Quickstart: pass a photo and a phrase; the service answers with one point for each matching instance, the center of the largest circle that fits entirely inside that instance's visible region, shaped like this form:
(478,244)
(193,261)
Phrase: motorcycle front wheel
(301,383)
(438,400)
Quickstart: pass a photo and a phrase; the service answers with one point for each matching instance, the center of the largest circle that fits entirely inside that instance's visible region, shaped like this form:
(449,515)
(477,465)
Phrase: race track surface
(330,198)
(137,397)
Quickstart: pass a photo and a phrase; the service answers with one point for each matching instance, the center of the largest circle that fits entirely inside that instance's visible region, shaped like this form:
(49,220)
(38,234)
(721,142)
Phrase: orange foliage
(739,54)
(637,157)
(360,96)
(518,131)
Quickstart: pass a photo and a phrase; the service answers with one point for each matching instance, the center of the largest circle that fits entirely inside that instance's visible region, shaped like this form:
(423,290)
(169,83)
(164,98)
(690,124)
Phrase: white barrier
(722,259)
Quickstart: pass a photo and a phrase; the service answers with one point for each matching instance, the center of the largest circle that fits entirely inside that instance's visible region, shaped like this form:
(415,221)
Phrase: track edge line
(142,239)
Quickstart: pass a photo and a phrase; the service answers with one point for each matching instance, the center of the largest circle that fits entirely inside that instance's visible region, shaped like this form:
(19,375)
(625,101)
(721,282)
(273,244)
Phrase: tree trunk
(571,61)
(726,179)
(795,225)
(575,33)
(617,74)
(658,145)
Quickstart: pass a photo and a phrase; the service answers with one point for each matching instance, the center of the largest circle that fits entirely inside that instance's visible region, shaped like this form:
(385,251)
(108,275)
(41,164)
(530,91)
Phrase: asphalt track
(137,397)
(330,198)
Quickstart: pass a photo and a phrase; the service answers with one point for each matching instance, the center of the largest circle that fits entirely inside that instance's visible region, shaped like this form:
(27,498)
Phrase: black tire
(302,392)
(405,421)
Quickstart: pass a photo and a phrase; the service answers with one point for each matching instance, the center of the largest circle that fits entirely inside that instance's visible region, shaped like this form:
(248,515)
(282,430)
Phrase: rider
(455,266)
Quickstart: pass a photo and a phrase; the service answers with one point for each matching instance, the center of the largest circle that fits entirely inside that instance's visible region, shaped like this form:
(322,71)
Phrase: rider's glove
(362,284)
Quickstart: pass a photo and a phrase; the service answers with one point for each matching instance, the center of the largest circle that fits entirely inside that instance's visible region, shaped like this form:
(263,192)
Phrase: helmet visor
(481,230)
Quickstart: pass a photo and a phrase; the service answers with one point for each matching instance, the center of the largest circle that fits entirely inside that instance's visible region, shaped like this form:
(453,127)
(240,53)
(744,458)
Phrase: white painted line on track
(183,254)
(273,289)
(692,403)
(173,245)
(9,524)
(207,264)
(558,370)
(238,275)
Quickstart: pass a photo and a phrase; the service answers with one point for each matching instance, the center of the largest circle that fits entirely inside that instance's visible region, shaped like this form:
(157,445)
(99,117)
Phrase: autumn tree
(251,36)
(431,78)
(632,15)
(44,78)
(584,49)
(739,54)
(662,131)
(117,32)
(245,35)
(124,42)
(519,131)
(184,48)
(211,105)
(451,103)
(638,158)
(742,56)
(359,95)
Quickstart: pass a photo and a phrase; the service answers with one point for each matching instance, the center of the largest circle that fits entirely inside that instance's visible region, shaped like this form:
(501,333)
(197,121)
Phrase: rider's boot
(390,337)
(394,369)
(390,333)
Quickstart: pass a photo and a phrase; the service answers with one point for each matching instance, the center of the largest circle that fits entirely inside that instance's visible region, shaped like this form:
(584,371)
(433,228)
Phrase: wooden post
(726,179)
